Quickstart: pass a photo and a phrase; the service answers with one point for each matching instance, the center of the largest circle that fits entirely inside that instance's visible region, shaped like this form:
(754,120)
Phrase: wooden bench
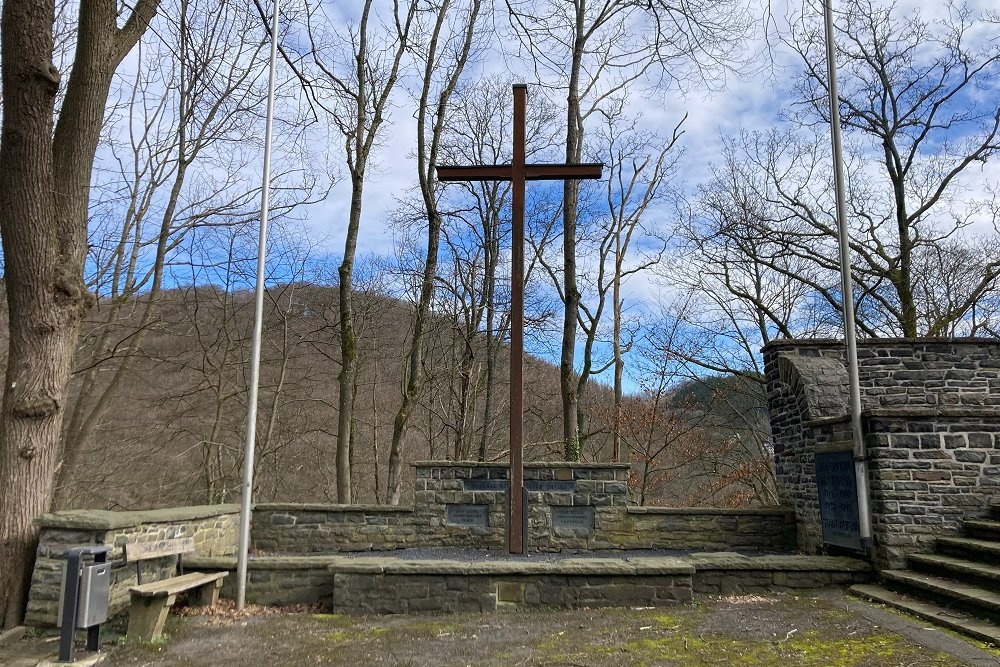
(151,602)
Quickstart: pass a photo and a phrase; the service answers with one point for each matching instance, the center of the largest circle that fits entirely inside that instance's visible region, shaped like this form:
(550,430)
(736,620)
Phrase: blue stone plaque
(838,499)
(550,486)
(499,485)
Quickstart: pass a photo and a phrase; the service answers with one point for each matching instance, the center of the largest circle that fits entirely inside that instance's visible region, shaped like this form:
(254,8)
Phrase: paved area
(820,629)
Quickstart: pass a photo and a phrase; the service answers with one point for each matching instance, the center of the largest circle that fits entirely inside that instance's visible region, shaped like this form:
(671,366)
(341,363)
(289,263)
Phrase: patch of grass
(429,628)
(336,620)
(810,649)
(356,634)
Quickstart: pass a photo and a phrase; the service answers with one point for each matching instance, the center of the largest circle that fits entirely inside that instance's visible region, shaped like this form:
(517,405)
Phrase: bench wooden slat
(145,550)
(176,585)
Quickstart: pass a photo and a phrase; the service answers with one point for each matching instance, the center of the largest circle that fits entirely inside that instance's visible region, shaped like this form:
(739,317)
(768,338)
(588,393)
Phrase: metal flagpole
(241,567)
(847,284)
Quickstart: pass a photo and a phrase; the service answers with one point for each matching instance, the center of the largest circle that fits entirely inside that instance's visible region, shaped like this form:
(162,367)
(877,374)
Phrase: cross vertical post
(517,173)
(515,521)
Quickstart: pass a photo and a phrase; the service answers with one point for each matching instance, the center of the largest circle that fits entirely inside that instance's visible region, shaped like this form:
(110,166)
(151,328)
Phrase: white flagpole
(241,566)
(847,284)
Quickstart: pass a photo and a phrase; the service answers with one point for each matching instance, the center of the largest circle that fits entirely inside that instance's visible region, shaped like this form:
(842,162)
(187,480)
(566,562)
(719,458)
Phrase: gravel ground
(817,629)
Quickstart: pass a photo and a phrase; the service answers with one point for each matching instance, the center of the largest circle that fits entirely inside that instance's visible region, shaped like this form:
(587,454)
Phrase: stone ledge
(784,563)
(320,507)
(567,566)
(711,511)
(108,520)
(984,412)
(260,562)
(781,343)
(533,464)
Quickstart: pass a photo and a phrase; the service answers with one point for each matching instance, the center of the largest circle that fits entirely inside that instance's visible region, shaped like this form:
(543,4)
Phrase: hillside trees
(45,175)
(184,141)
(597,50)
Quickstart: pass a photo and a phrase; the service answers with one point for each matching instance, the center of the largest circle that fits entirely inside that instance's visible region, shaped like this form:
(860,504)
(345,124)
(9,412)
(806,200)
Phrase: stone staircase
(957,587)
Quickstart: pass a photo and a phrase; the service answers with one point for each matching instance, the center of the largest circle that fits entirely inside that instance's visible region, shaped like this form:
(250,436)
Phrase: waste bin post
(71,600)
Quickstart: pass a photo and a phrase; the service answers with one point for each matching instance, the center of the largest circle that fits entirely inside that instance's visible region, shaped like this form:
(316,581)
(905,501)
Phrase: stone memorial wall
(571,506)
(931,419)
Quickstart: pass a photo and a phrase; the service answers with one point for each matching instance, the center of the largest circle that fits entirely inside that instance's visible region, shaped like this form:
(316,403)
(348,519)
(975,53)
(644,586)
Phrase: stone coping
(333,507)
(532,464)
(985,412)
(721,560)
(109,520)
(712,511)
(564,566)
(877,342)
(935,412)
(644,565)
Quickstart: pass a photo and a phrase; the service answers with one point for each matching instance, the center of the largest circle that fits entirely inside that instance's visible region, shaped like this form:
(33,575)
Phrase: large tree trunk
(571,195)
(348,342)
(44,194)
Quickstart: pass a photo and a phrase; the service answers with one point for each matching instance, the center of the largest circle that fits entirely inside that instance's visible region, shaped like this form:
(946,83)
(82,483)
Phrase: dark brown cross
(517,173)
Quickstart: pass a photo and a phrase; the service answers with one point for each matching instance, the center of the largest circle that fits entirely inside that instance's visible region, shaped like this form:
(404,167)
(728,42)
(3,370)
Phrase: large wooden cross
(517,173)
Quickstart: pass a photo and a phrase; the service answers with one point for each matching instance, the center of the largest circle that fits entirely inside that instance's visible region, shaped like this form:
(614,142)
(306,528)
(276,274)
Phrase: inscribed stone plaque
(484,484)
(550,486)
(838,499)
(573,517)
(476,516)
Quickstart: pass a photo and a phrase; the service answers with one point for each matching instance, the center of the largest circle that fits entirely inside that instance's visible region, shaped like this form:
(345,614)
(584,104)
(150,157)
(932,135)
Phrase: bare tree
(443,58)
(44,191)
(916,130)
(640,168)
(356,71)
(596,50)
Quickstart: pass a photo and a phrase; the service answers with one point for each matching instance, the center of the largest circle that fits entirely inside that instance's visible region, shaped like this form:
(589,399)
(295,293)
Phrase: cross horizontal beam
(532,172)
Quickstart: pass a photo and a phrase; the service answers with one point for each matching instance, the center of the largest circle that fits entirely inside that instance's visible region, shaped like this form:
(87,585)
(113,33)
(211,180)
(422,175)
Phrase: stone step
(983,529)
(946,592)
(966,547)
(967,625)
(975,572)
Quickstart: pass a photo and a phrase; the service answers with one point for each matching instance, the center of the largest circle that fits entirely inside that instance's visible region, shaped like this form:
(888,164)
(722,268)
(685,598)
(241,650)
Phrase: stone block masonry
(931,419)
(214,529)
(390,586)
(570,507)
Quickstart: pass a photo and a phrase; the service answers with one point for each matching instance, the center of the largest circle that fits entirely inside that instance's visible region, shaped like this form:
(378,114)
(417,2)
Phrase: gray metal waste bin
(83,600)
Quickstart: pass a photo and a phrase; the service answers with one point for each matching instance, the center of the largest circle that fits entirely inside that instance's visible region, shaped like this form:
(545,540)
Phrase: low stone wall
(281,528)
(728,573)
(388,586)
(391,585)
(570,507)
(931,415)
(749,529)
(214,529)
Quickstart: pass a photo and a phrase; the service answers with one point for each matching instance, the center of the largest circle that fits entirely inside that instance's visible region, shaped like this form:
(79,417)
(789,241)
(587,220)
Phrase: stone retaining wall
(214,529)
(931,414)
(570,507)
(391,586)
